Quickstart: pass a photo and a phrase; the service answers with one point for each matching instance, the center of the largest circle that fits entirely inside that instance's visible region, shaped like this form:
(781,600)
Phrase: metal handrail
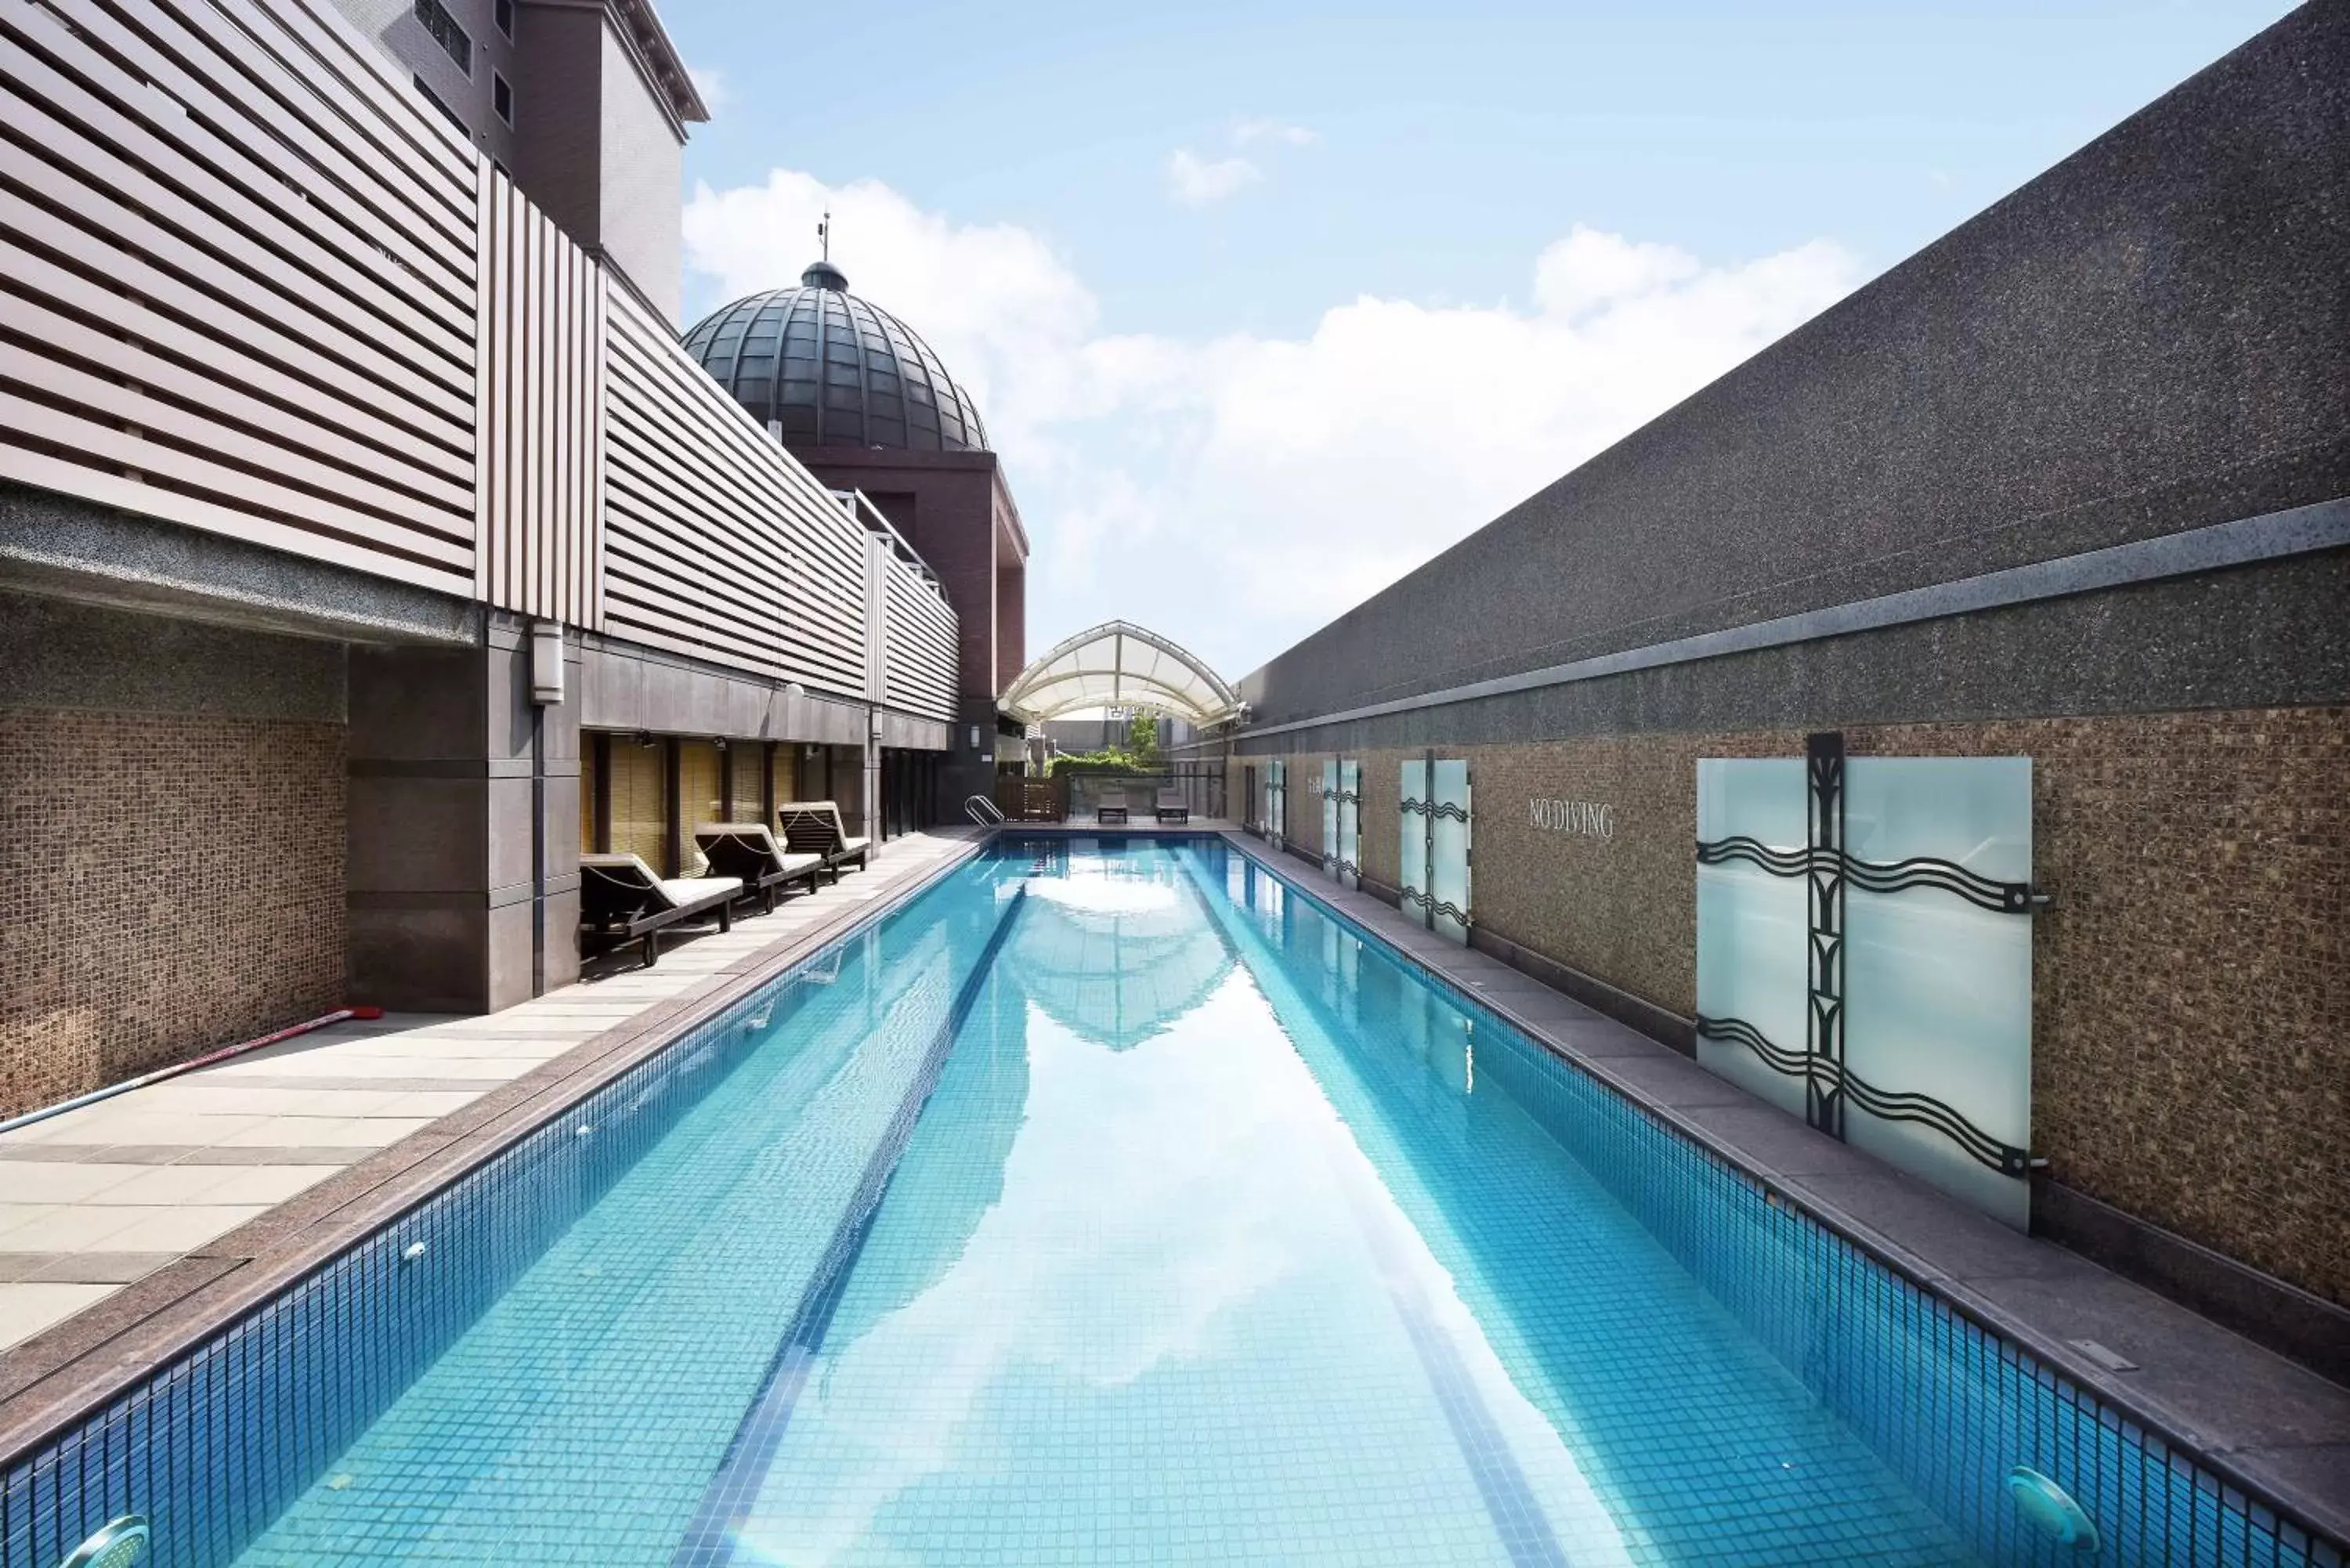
(984,810)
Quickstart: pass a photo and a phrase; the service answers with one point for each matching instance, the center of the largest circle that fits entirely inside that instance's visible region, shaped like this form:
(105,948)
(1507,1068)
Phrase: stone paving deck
(101,1198)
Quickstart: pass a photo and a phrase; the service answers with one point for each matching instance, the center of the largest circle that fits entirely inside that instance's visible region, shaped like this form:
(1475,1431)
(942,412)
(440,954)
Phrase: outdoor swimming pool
(1110,1203)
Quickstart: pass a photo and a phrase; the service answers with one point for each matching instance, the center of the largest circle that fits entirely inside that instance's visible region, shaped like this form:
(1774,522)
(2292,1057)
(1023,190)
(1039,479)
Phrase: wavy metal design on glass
(1829,1078)
(1442,808)
(1435,905)
(1875,876)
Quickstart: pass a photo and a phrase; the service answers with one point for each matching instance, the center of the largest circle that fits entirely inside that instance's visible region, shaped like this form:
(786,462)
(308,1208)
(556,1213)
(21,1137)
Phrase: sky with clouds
(1264,306)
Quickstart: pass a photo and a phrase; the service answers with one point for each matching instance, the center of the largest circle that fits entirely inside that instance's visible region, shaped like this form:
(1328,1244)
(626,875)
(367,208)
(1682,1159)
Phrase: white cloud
(711,83)
(1195,181)
(1245,131)
(1237,492)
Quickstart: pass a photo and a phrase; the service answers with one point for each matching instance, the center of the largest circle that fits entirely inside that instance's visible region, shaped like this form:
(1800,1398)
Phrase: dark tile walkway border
(70,1371)
(2274,1430)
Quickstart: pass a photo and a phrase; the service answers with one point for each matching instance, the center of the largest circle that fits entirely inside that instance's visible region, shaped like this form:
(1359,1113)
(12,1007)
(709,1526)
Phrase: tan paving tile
(318,1132)
(265,1183)
(429,1105)
(130,1124)
(163,1184)
(67,1228)
(57,1181)
(178,1228)
(27,1309)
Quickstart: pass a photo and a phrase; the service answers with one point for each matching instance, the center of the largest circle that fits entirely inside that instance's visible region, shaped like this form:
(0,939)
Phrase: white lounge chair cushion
(678,890)
(849,846)
(794,864)
(683,890)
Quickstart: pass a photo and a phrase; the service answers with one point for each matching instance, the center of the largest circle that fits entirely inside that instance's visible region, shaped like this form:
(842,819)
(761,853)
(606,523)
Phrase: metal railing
(982,811)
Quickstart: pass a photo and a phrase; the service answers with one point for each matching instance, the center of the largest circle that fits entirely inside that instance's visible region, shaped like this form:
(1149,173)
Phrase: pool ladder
(984,810)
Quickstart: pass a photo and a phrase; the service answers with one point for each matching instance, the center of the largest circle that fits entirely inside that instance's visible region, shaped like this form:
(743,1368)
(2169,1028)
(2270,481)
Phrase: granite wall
(2191,1006)
(168,882)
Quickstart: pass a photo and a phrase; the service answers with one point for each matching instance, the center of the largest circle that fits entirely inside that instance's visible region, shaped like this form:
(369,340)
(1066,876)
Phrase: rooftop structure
(1120,664)
(858,397)
(584,103)
(820,367)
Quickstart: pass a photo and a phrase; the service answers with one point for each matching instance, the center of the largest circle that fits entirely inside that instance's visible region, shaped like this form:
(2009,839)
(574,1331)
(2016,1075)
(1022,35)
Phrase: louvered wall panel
(540,375)
(920,638)
(237,266)
(716,543)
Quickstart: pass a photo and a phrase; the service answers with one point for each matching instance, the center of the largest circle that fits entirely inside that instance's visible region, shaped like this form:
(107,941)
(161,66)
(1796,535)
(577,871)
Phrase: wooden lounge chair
(748,850)
(1110,806)
(620,901)
(812,827)
(1173,807)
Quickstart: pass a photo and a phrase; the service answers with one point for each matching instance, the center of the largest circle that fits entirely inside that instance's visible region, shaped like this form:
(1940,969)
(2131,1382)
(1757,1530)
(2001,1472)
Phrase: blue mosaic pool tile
(1949,1407)
(1564,1280)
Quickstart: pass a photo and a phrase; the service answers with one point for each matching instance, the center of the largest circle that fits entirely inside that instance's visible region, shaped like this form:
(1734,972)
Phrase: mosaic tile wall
(2191,1014)
(205,854)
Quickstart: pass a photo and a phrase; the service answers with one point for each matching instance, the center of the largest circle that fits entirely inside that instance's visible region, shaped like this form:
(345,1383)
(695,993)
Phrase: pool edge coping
(78,1368)
(2324,1519)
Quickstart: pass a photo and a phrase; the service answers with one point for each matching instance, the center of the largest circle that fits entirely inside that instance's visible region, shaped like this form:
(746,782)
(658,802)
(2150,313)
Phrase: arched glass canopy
(1119,665)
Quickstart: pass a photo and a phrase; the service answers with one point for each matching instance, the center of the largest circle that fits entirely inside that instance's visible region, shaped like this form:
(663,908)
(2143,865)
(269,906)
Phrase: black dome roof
(832,369)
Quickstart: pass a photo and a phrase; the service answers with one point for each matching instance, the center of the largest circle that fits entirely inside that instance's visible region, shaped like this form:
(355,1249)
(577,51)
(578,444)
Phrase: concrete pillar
(462,876)
(968,768)
(871,781)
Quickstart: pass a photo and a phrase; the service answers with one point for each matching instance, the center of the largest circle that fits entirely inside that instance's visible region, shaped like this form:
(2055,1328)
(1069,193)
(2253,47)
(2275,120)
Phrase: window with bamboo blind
(639,807)
(749,761)
(698,791)
(586,794)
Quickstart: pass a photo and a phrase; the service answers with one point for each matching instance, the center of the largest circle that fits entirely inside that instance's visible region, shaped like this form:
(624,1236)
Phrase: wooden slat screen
(716,542)
(920,642)
(540,374)
(237,261)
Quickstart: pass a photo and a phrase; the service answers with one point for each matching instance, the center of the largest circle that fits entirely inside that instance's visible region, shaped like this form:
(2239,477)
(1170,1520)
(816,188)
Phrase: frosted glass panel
(1760,798)
(1412,874)
(1938,992)
(1752,928)
(1448,874)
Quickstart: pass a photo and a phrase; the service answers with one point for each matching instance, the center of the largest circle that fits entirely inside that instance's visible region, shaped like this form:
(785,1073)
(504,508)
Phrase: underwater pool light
(117,1543)
(2050,1509)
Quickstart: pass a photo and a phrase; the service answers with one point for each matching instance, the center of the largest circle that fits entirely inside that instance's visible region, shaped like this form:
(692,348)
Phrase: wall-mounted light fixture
(719,742)
(645,738)
(546,662)
(974,737)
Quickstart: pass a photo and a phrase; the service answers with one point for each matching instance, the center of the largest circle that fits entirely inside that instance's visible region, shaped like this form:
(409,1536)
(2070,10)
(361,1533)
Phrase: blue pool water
(1109,1203)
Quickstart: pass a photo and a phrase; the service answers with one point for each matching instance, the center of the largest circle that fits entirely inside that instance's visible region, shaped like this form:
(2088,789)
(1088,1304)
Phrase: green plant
(1112,760)
(1142,736)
